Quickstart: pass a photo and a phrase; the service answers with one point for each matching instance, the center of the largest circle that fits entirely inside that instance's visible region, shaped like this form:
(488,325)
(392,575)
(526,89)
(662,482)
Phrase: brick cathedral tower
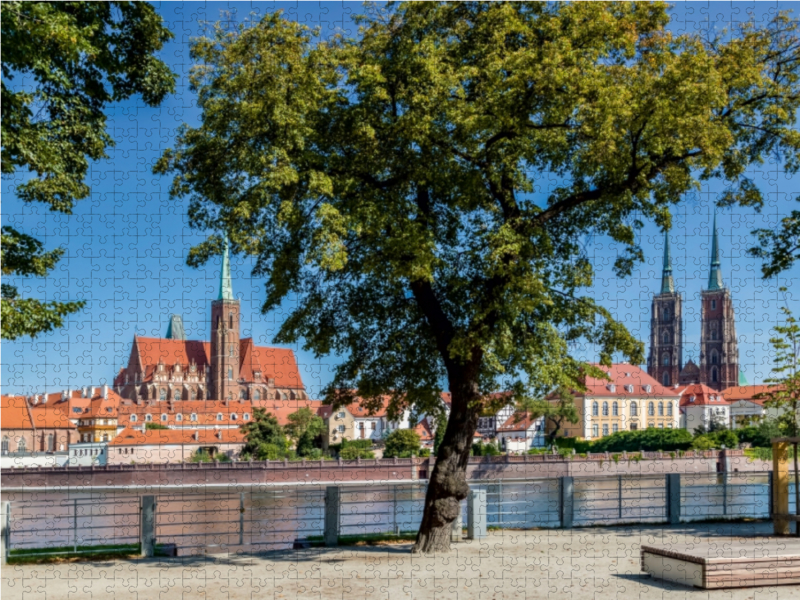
(225,337)
(666,328)
(719,348)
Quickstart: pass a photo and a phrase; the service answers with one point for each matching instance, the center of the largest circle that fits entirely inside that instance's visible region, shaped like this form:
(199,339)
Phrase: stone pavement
(580,564)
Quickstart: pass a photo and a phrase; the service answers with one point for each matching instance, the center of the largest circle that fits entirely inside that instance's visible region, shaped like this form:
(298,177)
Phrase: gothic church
(719,351)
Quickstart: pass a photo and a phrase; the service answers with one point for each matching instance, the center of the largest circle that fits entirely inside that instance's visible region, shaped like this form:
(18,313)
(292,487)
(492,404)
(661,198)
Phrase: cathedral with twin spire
(719,350)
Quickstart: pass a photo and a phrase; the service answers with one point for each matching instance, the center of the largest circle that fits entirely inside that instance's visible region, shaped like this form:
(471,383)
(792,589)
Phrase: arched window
(651,409)
(163,417)
(665,359)
(714,357)
(193,417)
(219,416)
(179,418)
(230,350)
(284,396)
(230,320)
(666,314)
(246,416)
(714,330)
(634,409)
(22,445)
(148,418)
(660,409)
(242,394)
(133,418)
(666,379)
(193,395)
(669,409)
(615,409)
(605,409)
(257,395)
(665,337)
(277,395)
(163,394)
(233,416)
(176,395)
(51,446)
(714,375)
(230,373)
(595,409)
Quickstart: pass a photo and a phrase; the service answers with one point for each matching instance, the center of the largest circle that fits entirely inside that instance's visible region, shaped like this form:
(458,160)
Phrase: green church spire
(667,284)
(225,287)
(715,274)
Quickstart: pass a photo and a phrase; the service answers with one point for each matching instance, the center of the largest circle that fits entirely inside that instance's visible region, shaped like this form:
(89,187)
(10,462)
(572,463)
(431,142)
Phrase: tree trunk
(448,486)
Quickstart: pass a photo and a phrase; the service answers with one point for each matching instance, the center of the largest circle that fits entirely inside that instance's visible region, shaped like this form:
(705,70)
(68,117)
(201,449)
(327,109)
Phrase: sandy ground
(580,564)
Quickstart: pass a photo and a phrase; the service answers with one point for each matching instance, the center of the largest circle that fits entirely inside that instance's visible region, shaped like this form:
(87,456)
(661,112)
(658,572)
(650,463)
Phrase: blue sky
(125,246)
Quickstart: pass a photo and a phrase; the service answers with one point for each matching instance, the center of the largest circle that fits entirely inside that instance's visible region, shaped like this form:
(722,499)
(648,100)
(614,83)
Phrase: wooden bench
(726,562)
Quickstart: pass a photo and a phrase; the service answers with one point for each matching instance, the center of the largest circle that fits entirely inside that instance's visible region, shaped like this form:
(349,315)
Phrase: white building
(701,407)
(520,433)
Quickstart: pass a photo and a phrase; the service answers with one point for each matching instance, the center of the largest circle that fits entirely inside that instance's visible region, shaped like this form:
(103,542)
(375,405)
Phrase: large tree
(63,62)
(421,191)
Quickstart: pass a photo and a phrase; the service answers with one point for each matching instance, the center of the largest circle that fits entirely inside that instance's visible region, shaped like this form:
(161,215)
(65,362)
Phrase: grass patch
(23,556)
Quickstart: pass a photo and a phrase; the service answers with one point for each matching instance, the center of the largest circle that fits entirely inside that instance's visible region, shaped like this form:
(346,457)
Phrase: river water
(273,518)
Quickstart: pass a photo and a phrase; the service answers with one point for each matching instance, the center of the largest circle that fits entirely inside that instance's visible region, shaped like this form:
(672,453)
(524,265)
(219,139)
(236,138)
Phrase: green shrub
(360,444)
(481,449)
(703,442)
(270,452)
(402,443)
(726,437)
(424,452)
(151,426)
(353,452)
(649,440)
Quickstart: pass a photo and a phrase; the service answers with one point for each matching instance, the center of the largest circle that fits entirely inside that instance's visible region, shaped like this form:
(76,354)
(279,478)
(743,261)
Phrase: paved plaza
(579,564)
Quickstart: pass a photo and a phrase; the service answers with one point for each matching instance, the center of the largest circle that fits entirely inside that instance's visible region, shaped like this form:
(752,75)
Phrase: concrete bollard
(476,514)
(673,483)
(332,502)
(567,488)
(147,531)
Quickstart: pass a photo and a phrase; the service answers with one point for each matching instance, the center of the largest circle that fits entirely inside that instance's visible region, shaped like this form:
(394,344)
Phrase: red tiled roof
(746,392)
(51,417)
(702,395)
(517,422)
(165,437)
(628,381)
(15,413)
(153,351)
(424,430)
(207,411)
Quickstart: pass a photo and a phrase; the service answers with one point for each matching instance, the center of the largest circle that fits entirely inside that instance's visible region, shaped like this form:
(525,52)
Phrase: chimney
(64,395)
(35,399)
(196,436)
(219,433)
(105,392)
(85,392)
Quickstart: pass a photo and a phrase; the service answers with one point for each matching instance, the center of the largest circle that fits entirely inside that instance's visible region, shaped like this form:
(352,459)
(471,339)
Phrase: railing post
(5,535)
(147,532)
(567,506)
(673,483)
(476,514)
(619,496)
(724,493)
(75,525)
(395,526)
(332,503)
(241,518)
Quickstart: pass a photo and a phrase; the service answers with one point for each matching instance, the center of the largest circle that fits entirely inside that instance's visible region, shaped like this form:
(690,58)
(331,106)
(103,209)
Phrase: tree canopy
(63,63)
(422,188)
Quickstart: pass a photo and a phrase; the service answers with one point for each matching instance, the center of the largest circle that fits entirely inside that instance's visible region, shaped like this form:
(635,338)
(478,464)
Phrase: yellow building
(98,421)
(629,401)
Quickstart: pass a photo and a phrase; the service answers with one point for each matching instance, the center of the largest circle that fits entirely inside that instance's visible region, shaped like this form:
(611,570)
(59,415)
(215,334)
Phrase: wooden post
(780,486)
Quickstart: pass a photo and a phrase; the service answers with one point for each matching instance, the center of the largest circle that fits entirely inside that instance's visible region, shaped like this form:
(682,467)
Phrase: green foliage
(441,426)
(354,452)
(560,409)
(650,439)
(307,429)
(726,438)
(402,443)
(704,442)
(424,452)
(572,443)
(488,449)
(63,63)
(153,425)
(759,436)
(201,456)
(264,437)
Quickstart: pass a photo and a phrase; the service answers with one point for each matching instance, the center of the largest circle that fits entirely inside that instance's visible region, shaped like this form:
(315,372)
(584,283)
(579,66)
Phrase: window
(634,426)
(634,409)
(284,396)
(242,394)
(163,394)
(660,409)
(246,417)
(692,398)
(340,415)
(219,416)
(605,429)
(713,305)
(133,418)
(595,430)
(670,425)
(257,395)
(661,426)
(614,428)
(665,379)
(714,357)
(50,443)
(179,418)
(22,445)
(665,359)
(595,409)
(230,373)
(193,395)
(605,409)
(648,388)
(148,418)
(233,416)
(163,418)
(176,395)
(714,375)
(341,428)
(714,330)
(193,417)
(105,437)
(651,409)
(230,350)
(4,447)
(230,321)
(665,337)
(650,425)
(615,409)
(373,426)
(669,409)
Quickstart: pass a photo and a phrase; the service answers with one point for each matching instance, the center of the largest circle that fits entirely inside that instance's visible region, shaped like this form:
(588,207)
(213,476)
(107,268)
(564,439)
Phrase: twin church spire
(714,273)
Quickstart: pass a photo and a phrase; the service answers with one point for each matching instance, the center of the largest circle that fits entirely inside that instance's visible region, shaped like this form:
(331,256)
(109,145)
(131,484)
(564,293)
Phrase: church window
(714,357)
(50,443)
(595,409)
(163,394)
(713,305)
(660,409)
(292,396)
(615,409)
(669,409)
(230,373)
(651,408)
(277,395)
(176,395)
(133,418)
(148,418)
(713,333)
(257,395)
(666,314)
(665,379)
(22,445)
(665,337)
(634,409)
(605,409)
(233,416)
(665,359)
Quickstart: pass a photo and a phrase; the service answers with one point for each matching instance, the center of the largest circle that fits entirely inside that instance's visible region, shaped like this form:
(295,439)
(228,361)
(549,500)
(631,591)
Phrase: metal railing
(269,518)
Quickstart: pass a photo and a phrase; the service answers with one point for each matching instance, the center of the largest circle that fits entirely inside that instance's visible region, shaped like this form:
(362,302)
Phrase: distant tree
(559,410)
(264,430)
(63,63)
(422,188)
(650,439)
(306,428)
(402,443)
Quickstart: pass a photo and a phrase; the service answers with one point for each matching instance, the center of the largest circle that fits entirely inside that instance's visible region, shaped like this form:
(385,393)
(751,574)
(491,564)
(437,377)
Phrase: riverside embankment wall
(242,474)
